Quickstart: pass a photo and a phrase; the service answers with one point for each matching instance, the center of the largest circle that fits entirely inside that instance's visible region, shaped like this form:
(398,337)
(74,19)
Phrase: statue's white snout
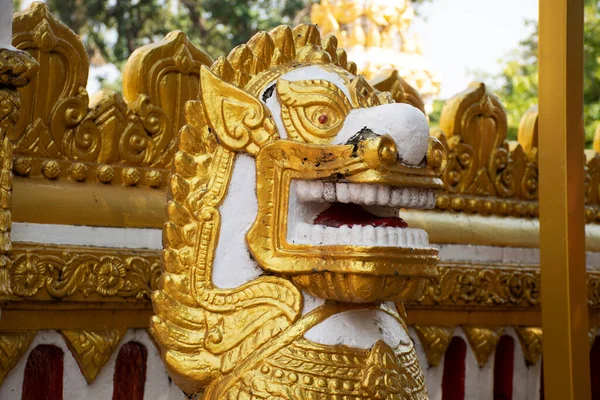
(403,122)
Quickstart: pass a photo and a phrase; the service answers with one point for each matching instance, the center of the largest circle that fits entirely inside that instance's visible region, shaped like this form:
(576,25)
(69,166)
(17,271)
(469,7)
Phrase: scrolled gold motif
(62,126)
(92,349)
(16,70)
(13,346)
(531,343)
(435,341)
(80,274)
(483,341)
(485,286)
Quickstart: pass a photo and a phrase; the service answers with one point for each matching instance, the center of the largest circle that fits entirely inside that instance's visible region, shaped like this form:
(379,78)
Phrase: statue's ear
(240,120)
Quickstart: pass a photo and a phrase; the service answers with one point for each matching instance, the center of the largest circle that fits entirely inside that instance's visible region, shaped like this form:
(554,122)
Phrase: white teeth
(343,235)
(317,234)
(360,236)
(365,194)
(370,235)
(316,190)
(383,195)
(356,192)
(396,199)
(382,236)
(303,190)
(369,194)
(356,235)
(392,236)
(329,236)
(329,191)
(430,200)
(342,192)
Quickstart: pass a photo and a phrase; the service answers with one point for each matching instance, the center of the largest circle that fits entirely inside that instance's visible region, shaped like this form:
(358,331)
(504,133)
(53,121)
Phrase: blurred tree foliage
(517,85)
(113,29)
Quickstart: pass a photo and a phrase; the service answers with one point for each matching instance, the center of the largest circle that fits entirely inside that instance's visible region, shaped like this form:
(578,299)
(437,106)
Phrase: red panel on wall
(130,372)
(43,378)
(503,368)
(453,380)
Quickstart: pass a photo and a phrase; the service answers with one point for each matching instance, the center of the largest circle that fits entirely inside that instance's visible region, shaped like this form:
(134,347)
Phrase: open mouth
(325,213)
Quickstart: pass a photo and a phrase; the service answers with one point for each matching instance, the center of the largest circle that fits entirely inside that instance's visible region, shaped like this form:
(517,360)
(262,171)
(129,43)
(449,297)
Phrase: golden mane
(282,45)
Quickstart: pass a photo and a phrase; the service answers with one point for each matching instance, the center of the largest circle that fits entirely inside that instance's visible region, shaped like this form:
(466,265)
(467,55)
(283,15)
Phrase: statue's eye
(312,111)
(323,117)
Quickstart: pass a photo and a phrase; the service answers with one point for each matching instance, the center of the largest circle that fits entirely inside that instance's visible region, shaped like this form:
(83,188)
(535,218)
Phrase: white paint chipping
(128,238)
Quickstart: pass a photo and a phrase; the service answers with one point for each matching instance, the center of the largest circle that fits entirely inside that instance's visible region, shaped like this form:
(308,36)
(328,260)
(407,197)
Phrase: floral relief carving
(501,285)
(81,274)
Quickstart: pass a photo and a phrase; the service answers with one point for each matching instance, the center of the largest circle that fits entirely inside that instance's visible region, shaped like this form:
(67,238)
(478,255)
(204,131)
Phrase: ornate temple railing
(81,167)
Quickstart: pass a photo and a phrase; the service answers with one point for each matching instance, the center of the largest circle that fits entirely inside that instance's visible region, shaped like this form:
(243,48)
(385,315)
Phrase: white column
(6,16)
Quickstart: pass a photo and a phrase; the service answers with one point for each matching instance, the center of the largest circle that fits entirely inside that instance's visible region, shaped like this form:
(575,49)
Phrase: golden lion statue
(286,264)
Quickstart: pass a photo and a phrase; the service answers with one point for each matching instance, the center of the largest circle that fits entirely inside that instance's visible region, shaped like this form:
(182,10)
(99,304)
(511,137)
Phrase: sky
(459,36)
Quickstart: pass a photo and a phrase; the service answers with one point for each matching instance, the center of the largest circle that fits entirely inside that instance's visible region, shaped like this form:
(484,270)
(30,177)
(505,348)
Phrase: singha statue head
(286,261)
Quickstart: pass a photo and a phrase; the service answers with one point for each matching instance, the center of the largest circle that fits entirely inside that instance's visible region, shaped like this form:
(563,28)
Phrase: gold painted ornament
(92,349)
(231,343)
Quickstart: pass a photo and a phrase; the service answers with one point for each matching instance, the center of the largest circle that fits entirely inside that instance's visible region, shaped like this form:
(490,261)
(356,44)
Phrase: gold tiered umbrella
(375,35)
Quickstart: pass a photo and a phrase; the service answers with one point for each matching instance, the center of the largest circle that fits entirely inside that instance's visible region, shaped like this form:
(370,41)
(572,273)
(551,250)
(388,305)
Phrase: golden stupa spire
(375,33)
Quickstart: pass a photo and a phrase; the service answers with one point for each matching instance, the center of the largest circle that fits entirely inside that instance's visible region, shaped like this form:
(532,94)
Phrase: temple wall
(157,384)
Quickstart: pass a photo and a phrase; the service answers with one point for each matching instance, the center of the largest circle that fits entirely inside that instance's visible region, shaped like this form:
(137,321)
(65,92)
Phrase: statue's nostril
(364,133)
(388,152)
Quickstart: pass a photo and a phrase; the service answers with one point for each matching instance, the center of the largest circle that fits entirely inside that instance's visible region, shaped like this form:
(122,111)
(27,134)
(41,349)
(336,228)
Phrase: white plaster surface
(6,16)
(479,382)
(403,122)
(360,329)
(494,254)
(433,375)
(233,265)
(158,385)
(526,379)
(130,238)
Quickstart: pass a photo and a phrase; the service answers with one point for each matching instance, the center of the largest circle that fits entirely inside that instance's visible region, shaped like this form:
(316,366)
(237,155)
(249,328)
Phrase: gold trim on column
(435,341)
(13,346)
(562,188)
(92,349)
(483,341)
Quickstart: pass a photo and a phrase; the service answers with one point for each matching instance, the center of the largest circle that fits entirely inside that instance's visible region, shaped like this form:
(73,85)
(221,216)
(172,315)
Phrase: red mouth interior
(340,214)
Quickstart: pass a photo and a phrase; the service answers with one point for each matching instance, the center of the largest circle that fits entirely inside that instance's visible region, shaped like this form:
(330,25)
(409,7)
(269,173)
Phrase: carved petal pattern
(435,341)
(92,349)
(483,341)
(531,343)
(13,346)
